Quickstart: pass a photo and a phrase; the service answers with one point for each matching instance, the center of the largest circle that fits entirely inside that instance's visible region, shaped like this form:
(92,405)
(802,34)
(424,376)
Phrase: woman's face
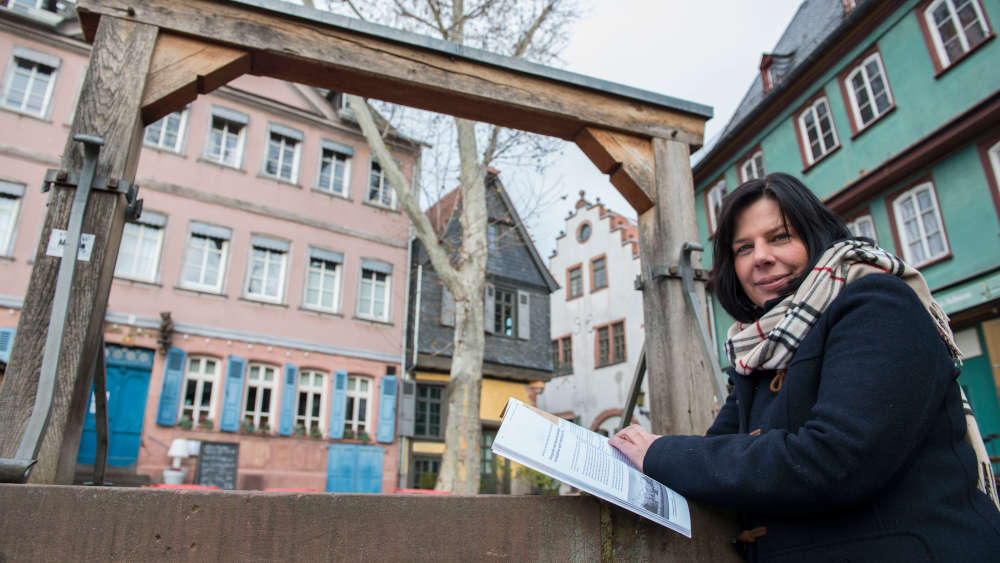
(767,253)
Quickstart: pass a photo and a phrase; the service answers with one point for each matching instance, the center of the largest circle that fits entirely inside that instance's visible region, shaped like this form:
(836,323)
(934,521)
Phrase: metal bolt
(62,175)
(113,183)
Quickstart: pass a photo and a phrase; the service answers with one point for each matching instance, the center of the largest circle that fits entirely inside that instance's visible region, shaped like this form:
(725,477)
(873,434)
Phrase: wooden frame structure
(152,57)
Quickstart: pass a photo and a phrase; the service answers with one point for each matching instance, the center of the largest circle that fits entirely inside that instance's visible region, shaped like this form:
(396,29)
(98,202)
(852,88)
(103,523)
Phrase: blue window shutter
(368,475)
(230,421)
(170,393)
(338,402)
(6,343)
(288,401)
(387,410)
(341,465)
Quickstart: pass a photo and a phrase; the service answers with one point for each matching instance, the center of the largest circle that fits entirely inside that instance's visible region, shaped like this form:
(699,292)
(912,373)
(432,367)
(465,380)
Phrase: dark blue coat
(861,455)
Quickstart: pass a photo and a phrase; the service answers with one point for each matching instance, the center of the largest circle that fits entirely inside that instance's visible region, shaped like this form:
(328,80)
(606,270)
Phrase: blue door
(128,382)
(353,468)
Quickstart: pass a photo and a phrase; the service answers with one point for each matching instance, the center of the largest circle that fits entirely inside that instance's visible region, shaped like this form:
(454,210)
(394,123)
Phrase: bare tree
(533,29)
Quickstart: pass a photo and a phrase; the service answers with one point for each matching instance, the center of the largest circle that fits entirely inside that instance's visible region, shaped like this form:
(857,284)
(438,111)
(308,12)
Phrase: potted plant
(205,424)
(265,429)
(246,427)
(348,434)
(185,423)
(300,430)
(315,433)
(363,437)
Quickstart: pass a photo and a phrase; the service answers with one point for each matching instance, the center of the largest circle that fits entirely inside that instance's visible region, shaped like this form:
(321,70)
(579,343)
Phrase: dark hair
(814,223)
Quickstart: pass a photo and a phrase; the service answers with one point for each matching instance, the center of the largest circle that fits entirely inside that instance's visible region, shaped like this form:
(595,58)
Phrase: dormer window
(773,69)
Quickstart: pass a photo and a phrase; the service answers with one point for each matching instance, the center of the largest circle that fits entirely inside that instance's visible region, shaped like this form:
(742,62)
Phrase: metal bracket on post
(17,469)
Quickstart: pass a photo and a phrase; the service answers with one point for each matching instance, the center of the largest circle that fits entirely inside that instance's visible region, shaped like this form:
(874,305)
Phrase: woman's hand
(634,442)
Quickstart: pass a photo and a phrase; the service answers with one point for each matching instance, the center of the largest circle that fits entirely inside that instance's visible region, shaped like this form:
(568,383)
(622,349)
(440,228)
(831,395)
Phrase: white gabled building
(597,322)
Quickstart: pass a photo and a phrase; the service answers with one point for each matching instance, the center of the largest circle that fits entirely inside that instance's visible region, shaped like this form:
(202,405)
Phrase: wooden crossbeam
(182,68)
(627,159)
(304,47)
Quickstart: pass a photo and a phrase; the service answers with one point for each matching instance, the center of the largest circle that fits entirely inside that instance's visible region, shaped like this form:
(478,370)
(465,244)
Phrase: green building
(890,112)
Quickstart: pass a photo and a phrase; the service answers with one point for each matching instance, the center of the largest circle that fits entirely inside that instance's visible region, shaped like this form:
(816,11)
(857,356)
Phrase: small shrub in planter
(246,427)
(265,429)
(185,423)
(315,433)
(300,430)
(348,434)
(205,424)
(363,436)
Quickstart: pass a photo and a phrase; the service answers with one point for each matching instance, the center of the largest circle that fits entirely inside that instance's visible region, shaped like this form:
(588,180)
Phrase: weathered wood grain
(681,397)
(109,108)
(627,159)
(345,60)
(182,68)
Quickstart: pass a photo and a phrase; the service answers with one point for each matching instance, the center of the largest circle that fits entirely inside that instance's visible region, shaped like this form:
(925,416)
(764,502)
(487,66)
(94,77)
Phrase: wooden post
(681,397)
(109,107)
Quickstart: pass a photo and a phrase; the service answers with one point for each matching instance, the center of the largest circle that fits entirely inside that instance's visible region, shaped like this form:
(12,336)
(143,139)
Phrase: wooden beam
(310,51)
(627,159)
(109,108)
(182,68)
(680,388)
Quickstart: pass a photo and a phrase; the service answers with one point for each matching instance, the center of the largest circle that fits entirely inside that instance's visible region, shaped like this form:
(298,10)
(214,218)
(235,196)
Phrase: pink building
(270,238)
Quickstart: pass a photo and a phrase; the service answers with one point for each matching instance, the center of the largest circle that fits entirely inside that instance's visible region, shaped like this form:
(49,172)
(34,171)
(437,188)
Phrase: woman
(844,437)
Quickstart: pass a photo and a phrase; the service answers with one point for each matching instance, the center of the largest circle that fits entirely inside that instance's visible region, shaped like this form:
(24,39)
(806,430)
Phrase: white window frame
(35,60)
(384,189)
(223,260)
(905,242)
(230,120)
(181,118)
(269,264)
(287,140)
(713,201)
(313,391)
(11,194)
(23,6)
(149,229)
(370,277)
(994,154)
(355,423)
(260,381)
(813,111)
(199,377)
(335,151)
(960,34)
(861,68)
(325,283)
(856,226)
(753,167)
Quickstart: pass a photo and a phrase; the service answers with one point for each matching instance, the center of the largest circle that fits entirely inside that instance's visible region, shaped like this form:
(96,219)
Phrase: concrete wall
(52,523)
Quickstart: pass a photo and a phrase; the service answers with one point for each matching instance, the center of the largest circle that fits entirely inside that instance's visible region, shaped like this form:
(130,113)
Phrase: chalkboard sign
(217,462)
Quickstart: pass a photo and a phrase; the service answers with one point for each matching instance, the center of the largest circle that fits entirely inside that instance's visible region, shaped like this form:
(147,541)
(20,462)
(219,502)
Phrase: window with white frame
(956,27)
(258,397)
(10,202)
(868,91)
(310,401)
(918,221)
(204,265)
(334,168)
(379,190)
(863,226)
(199,384)
(266,271)
(226,137)
(139,253)
(168,132)
(25,6)
(29,83)
(323,279)
(994,153)
(358,402)
(373,298)
(753,167)
(817,130)
(284,148)
(714,201)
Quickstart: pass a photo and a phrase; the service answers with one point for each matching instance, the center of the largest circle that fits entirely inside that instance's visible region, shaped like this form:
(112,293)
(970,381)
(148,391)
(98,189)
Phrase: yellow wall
(494,394)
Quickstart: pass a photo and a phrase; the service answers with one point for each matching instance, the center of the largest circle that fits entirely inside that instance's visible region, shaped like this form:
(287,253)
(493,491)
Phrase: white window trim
(347,173)
(719,190)
(962,39)
(337,285)
(13,191)
(240,144)
(852,96)
(156,261)
(367,396)
(388,297)
(283,273)
(261,385)
(901,227)
(182,129)
(994,153)
(35,57)
(323,418)
(804,131)
(223,267)
(383,186)
(751,161)
(278,130)
(854,226)
(200,386)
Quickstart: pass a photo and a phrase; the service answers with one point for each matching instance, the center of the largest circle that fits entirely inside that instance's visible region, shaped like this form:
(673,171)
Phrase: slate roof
(815,22)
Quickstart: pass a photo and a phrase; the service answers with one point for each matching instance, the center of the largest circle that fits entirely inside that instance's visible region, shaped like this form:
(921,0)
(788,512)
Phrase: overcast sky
(705,51)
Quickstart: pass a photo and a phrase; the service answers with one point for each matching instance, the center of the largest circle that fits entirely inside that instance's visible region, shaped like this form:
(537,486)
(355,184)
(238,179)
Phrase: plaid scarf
(771,341)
